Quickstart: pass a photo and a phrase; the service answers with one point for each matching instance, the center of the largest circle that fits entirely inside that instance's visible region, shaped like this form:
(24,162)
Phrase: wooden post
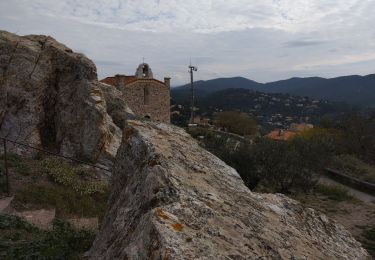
(6,166)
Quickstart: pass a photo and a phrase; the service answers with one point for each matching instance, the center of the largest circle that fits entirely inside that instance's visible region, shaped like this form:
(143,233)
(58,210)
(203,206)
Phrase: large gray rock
(50,97)
(172,199)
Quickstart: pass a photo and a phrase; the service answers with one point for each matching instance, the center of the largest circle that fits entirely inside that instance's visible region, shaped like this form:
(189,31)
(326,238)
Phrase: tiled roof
(109,81)
(128,79)
(114,80)
(281,135)
(155,80)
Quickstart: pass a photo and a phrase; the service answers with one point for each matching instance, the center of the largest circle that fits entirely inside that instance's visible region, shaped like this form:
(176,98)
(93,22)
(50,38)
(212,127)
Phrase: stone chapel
(147,97)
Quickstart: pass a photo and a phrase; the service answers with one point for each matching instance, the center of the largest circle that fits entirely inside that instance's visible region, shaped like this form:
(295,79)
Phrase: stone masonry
(147,97)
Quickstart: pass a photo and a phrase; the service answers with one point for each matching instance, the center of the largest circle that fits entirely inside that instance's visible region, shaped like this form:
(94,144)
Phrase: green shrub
(369,242)
(270,166)
(284,167)
(370,234)
(17,162)
(69,175)
(12,159)
(62,242)
(358,132)
(334,192)
(354,167)
(237,122)
(15,223)
(3,186)
(65,200)
(59,171)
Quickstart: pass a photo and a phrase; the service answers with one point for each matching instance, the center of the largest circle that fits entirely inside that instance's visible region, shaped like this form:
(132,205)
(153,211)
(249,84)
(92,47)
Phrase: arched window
(146,95)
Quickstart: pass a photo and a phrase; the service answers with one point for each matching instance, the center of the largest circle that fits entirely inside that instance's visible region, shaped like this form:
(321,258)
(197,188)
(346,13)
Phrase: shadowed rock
(50,97)
(171,199)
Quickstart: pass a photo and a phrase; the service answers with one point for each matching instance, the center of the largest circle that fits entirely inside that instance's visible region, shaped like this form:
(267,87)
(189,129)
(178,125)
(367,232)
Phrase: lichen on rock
(191,205)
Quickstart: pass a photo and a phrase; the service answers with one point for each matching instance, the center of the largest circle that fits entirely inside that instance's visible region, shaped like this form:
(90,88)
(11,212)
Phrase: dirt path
(41,218)
(4,203)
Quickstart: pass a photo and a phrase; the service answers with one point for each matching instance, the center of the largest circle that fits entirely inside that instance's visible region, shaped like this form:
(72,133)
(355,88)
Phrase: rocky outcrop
(172,199)
(116,105)
(50,97)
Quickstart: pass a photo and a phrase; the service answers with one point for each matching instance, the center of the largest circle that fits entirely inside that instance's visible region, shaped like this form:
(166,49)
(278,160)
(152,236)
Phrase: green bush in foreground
(369,243)
(354,167)
(66,174)
(16,161)
(20,240)
(2,179)
(273,166)
(370,234)
(66,200)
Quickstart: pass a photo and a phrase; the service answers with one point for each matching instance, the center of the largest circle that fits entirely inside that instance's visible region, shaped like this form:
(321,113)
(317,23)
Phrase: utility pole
(191,70)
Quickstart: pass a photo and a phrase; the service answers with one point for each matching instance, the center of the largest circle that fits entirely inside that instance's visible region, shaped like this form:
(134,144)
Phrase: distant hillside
(359,90)
(271,109)
(203,88)
(270,103)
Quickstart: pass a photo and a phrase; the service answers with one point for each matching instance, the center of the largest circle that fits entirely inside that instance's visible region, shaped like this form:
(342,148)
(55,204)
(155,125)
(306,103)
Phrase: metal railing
(5,141)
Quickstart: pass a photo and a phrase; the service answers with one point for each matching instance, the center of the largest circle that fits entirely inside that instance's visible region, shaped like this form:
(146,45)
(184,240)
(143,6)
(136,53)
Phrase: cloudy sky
(263,40)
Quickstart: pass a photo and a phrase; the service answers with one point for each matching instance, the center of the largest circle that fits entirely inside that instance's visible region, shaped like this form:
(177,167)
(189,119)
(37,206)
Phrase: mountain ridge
(353,89)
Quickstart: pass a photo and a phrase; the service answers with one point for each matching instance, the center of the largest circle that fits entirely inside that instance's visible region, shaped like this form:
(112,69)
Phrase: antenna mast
(191,70)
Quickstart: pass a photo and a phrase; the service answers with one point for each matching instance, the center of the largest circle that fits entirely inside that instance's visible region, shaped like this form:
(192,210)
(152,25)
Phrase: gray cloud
(108,63)
(262,40)
(303,43)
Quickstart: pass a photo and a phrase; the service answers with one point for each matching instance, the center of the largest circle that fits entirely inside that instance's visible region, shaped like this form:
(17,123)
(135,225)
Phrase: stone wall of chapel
(156,106)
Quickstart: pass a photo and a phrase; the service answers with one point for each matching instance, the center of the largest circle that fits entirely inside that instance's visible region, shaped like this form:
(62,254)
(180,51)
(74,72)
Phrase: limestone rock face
(116,105)
(172,199)
(50,97)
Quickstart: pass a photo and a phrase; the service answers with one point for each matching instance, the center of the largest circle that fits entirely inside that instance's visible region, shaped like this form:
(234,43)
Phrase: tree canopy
(237,122)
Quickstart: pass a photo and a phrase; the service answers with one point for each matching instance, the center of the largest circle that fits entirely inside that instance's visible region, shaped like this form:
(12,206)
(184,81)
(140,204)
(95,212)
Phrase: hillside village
(271,111)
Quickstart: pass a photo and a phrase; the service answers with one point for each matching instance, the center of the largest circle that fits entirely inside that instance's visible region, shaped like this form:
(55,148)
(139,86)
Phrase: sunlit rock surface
(171,199)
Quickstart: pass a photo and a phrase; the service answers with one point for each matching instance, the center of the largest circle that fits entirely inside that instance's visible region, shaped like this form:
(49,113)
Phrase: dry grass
(354,167)
(48,182)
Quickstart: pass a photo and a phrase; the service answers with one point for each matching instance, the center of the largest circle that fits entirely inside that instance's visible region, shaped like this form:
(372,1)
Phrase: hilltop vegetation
(278,167)
(235,122)
(287,166)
